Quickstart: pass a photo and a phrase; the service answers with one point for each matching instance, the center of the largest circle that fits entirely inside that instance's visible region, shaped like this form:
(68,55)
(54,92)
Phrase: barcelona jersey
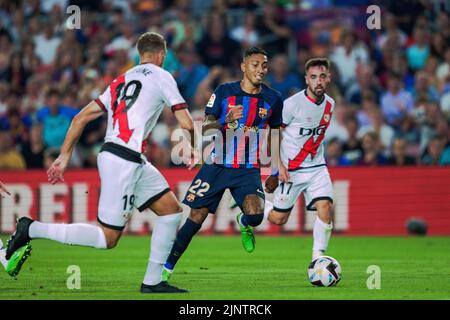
(240,144)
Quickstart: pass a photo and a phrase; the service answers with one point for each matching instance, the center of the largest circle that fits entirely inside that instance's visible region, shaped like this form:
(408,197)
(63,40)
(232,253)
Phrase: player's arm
(89,113)
(184,118)
(211,122)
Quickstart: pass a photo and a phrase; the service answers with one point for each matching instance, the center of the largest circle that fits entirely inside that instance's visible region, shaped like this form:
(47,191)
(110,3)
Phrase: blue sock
(252,219)
(184,237)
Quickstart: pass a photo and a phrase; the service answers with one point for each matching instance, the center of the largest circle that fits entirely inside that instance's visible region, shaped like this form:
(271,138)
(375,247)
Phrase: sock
(268,206)
(184,237)
(81,234)
(321,234)
(163,235)
(253,220)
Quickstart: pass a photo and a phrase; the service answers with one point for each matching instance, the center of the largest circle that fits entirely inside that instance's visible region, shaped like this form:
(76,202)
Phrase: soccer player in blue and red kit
(238,111)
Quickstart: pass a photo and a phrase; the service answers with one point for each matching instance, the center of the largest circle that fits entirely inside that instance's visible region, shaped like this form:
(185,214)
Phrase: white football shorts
(126,185)
(315,183)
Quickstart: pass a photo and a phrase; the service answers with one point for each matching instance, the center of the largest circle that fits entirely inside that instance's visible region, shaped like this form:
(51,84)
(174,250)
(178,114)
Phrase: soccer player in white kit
(306,116)
(133,103)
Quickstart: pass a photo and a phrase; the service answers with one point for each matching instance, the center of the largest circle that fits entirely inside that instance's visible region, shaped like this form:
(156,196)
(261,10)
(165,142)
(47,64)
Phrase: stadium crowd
(391,86)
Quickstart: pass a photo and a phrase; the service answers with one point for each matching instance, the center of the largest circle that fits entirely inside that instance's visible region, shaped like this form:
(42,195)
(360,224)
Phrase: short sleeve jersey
(134,102)
(305,123)
(259,111)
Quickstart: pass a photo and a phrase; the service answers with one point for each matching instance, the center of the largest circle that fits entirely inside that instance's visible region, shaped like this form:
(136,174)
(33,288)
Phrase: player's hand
(3,190)
(271,184)
(192,159)
(56,171)
(235,113)
(283,176)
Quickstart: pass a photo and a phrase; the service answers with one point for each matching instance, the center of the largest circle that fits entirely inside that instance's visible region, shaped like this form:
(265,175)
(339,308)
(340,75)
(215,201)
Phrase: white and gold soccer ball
(325,271)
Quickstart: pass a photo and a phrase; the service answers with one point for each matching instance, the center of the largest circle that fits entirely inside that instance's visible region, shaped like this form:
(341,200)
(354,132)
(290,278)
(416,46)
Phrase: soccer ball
(325,271)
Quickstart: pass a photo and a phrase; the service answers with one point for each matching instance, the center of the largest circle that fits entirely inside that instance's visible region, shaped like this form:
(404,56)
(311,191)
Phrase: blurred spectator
(348,56)
(216,47)
(16,74)
(190,72)
(10,159)
(422,88)
(46,44)
(246,34)
(396,102)
(399,156)
(435,153)
(385,133)
(17,123)
(273,31)
(33,150)
(55,119)
(366,84)
(443,70)
(279,77)
(371,154)
(333,154)
(352,149)
(418,53)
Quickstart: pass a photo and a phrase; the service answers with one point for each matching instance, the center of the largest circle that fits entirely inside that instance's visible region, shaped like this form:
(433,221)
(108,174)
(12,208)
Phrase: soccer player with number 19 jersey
(306,116)
(133,103)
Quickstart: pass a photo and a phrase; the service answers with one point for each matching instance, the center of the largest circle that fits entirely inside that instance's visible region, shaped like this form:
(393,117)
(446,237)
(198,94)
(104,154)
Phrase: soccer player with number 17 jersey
(306,116)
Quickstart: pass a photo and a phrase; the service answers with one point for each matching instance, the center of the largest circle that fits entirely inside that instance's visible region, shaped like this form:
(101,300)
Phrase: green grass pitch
(217,267)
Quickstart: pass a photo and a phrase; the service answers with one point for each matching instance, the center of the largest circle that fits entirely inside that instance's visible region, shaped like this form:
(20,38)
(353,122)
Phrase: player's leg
(285,197)
(319,197)
(183,239)
(203,196)
(152,192)
(117,176)
(247,192)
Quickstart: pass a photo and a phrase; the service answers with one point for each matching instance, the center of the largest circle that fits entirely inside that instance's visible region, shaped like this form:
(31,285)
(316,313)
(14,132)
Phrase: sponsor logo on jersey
(211,101)
(320,130)
(326,117)
(262,113)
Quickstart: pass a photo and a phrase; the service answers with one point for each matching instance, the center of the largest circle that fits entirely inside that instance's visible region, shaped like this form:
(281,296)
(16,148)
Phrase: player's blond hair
(151,42)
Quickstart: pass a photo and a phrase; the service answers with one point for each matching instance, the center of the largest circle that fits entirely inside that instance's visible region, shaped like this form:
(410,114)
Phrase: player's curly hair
(151,42)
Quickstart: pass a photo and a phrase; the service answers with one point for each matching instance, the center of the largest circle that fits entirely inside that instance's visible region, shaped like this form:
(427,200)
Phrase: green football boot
(248,238)
(165,274)
(17,259)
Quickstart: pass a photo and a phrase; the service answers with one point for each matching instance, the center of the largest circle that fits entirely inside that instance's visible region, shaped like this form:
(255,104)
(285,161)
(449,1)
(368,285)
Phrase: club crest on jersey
(211,101)
(262,113)
(326,117)
(190,197)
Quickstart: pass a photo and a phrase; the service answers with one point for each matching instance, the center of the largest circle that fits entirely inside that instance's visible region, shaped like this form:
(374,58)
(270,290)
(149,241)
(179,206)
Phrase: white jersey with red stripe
(134,102)
(305,123)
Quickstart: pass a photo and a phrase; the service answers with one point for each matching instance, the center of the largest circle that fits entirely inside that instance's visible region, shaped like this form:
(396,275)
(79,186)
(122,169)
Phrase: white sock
(163,236)
(81,234)
(321,234)
(268,206)
(3,260)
